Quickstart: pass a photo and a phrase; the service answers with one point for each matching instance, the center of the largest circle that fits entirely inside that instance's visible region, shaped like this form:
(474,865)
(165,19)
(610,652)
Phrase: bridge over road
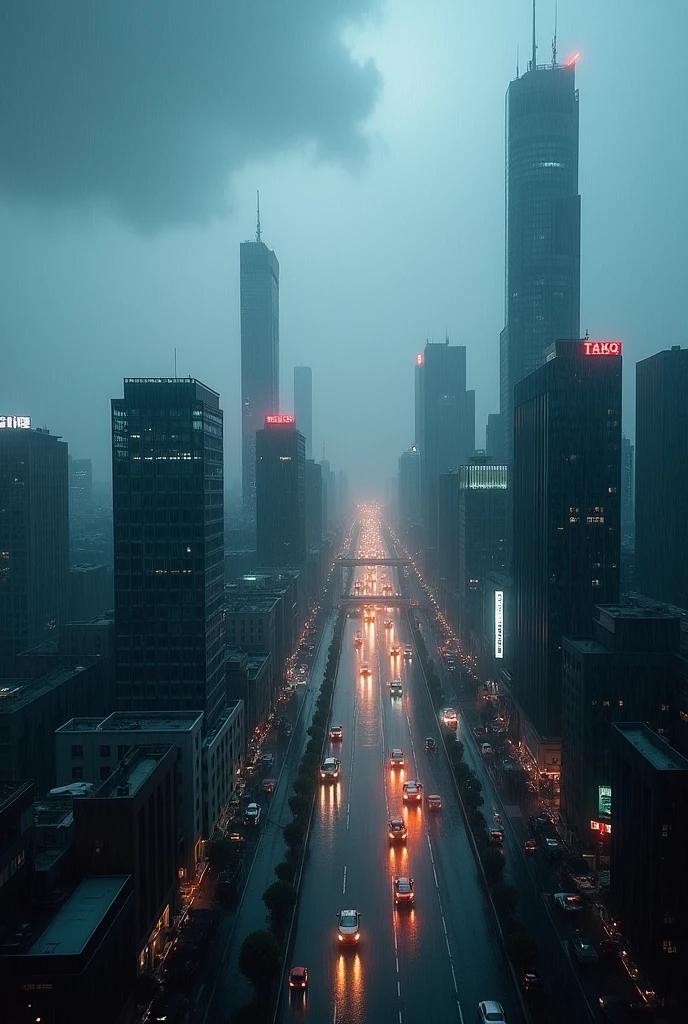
(345,562)
(393,601)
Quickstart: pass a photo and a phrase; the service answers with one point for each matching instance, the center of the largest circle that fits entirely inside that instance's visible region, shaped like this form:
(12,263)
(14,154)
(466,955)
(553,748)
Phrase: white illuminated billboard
(499,623)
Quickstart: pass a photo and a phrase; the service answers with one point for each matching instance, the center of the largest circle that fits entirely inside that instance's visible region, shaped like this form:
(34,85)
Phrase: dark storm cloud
(148,105)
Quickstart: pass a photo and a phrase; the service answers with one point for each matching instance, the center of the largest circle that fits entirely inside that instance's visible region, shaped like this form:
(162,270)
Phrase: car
(252,814)
(434,802)
(269,786)
(408,651)
(396,830)
(403,892)
(496,835)
(568,902)
(365,669)
(358,639)
(552,846)
(412,792)
(388,624)
(491,1012)
(395,687)
(430,745)
(480,731)
(336,732)
(394,651)
(396,758)
(584,950)
(348,926)
(329,770)
(450,717)
(486,750)
(531,982)
(530,846)
(298,979)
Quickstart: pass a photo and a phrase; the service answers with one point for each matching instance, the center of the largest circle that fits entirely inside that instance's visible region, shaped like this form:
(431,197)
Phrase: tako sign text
(272,421)
(15,423)
(499,623)
(602,348)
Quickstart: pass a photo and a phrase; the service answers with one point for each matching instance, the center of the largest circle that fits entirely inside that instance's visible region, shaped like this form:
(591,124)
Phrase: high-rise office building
(280,493)
(661,494)
(418,400)
(627,491)
(481,541)
(448,428)
(409,488)
(314,504)
(542,300)
(259,300)
(494,437)
(34,536)
(303,405)
(566,502)
(167,489)
(80,484)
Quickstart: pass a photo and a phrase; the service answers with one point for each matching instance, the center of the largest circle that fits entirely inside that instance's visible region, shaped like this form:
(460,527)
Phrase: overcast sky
(135,135)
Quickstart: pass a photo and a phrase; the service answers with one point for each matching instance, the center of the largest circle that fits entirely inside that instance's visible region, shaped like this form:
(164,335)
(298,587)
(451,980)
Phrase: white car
(329,769)
(491,1012)
(412,792)
(569,902)
(348,926)
(252,814)
(449,716)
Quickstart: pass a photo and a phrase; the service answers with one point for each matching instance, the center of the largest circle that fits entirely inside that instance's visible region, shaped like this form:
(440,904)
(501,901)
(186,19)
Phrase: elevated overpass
(377,601)
(344,562)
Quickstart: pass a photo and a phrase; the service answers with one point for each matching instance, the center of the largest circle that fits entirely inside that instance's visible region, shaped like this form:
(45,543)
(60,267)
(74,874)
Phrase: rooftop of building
(54,811)
(17,693)
(588,646)
(137,721)
(653,748)
(655,610)
(228,709)
(73,926)
(254,659)
(131,774)
(249,603)
(106,619)
(9,791)
(86,567)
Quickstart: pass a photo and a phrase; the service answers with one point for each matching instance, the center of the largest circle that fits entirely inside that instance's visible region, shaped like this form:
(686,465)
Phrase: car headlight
(357,935)
(340,936)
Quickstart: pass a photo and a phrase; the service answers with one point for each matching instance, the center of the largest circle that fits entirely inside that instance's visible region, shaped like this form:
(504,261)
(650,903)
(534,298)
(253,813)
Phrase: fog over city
(137,134)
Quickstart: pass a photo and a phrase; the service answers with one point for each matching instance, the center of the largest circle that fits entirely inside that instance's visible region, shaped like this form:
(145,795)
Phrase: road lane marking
(334,1015)
(200,992)
(348,812)
(344,883)
(399,989)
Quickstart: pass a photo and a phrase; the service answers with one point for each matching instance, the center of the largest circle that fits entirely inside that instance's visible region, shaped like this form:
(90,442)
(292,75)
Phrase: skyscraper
(280,493)
(259,299)
(303,405)
(80,483)
(627,491)
(167,491)
(448,428)
(409,488)
(661,494)
(34,536)
(418,396)
(314,504)
(567,491)
(542,301)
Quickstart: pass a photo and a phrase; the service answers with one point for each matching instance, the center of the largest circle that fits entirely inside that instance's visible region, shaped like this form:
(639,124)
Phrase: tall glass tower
(542,281)
(167,493)
(259,299)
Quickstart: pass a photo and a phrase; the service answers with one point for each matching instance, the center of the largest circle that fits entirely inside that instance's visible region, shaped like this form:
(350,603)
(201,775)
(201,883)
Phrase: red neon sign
(419,359)
(602,348)
(271,421)
(602,827)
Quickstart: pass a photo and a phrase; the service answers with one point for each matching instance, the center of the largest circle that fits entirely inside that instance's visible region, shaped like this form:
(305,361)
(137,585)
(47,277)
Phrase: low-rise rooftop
(228,709)
(652,747)
(133,772)
(73,926)
(134,721)
(9,791)
(17,693)
(249,603)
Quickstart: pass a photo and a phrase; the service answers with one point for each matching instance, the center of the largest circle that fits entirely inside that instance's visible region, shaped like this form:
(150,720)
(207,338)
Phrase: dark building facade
(409,488)
(448,544)
(661,495)
(259,301)
(494,438)
(627,492)
(481,542)
(167,483)
(129,827)
(566,502)
(280,493)
(649,882)
(80,484)
(542,301)
(16,848)
(448,428)
(624,671)
(303,404)
(314,504)
(34,537)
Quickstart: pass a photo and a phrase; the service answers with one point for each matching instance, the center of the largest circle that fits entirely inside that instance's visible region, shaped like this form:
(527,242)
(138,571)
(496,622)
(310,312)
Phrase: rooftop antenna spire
(534,61)
(517,75)
(554,41)
(175,360)
(258,205)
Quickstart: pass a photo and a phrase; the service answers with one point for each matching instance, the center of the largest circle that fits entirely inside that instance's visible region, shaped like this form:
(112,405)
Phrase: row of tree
(261,954)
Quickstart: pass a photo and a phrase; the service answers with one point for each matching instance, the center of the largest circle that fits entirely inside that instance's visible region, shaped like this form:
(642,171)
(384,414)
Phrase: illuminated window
(669,947)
